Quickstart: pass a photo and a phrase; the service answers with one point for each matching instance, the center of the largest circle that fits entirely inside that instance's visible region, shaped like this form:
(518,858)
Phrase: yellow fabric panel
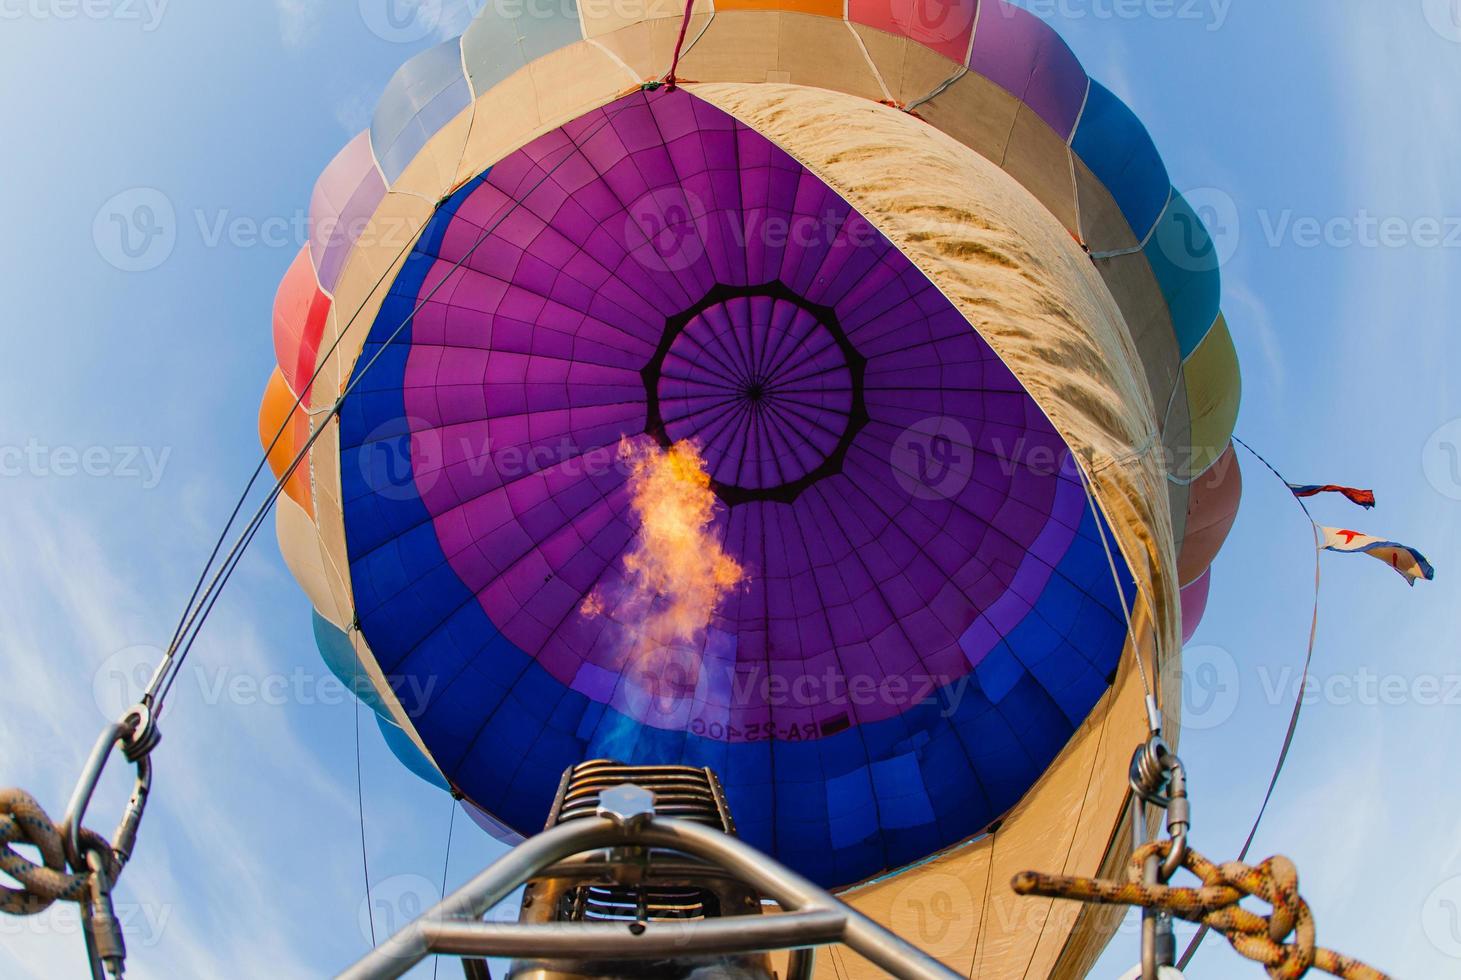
(1030,291)
(1214,390)
(753,46)
(822,8)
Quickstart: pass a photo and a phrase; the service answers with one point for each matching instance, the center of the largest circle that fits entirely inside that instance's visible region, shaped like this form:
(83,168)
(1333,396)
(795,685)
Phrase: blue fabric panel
(340,658)
(1185,262)
(409,755)
(1118,150)
(424,95)
(502,39)
(840,808)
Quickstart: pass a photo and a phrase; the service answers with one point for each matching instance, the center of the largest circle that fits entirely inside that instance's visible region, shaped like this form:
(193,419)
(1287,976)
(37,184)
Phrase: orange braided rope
(1263,939)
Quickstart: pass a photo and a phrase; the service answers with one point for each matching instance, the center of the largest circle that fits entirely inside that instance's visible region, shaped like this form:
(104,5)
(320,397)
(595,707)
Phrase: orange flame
(678,571)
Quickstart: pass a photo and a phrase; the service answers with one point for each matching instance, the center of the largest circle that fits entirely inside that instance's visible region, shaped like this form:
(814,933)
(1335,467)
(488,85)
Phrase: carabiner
(137,735)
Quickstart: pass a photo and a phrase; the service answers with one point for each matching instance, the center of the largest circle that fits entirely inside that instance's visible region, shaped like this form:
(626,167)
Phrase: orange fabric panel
(300,311)
(826,8)
(1211,510)
(278,401)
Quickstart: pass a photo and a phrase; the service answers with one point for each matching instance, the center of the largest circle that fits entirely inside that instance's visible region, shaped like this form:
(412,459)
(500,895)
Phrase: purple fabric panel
(525,372)
(345,197)
(1025,56)
(761,386)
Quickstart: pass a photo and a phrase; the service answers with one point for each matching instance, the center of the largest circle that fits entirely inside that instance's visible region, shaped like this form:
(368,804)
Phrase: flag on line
(1404,559)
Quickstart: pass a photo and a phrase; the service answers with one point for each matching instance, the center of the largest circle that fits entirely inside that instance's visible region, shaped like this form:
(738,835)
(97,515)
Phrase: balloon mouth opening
(766,382)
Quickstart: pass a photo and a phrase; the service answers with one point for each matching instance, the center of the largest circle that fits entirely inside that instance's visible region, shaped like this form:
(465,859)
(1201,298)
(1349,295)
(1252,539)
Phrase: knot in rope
(23,821)
(1284,941)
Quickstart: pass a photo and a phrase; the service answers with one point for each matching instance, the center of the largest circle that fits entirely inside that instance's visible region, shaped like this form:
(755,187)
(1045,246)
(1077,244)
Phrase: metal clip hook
(1159,779)
(137,735)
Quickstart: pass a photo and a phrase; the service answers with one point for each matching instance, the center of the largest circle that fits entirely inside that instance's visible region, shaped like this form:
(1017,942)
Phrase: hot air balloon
(945,346)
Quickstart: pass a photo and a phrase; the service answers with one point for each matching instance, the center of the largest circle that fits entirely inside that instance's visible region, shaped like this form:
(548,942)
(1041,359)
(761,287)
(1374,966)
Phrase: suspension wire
(202,602)
(1088,485)
(445,865)
(360,810)
(320,363)
(1288,738)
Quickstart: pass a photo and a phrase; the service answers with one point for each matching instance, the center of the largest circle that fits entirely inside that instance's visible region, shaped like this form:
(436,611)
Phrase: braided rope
(23,821)
(1263,939)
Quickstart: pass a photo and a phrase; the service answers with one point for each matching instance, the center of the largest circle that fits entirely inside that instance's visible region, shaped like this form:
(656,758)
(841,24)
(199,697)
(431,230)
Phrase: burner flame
(678,571)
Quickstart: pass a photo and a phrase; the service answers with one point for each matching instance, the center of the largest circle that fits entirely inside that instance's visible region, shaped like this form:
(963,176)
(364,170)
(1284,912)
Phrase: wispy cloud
(213,820)
(299,20)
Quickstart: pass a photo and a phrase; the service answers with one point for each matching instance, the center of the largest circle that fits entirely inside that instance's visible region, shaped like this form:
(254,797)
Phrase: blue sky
(127,423)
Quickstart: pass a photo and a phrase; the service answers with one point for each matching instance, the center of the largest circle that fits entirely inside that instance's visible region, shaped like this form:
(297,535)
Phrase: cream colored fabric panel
(1177,439)
(1022,281)
(439,161)
(647,48)
(977,113)
(556,89)
(1040,160)
(995,933)
(299,544)
(1135,289)
(1103,226)
(1010,267)
(330,523)
(761,46)
(1177,497)
(601,17)
(910,70)
(387,694)
(1214,391)
(378,254)
(1092,775)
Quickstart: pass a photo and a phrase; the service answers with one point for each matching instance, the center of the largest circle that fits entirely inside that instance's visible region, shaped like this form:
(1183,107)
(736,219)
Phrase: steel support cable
(1293,726)
(202,602)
